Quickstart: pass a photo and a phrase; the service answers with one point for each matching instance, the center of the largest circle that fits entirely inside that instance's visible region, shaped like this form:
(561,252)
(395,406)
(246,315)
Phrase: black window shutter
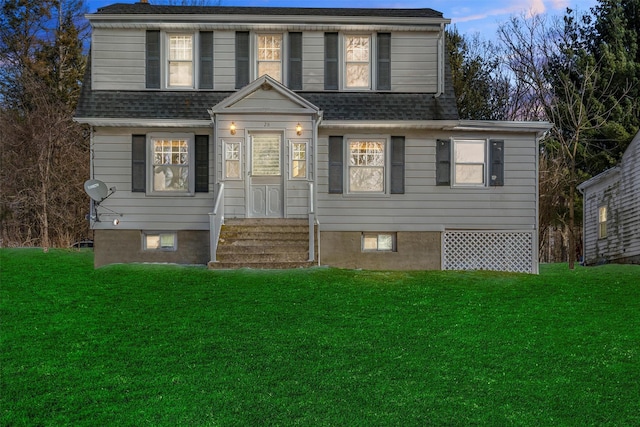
(331,61)
(152,59)
(335,164)
(397,165)
(496,161)
(443,162)
(202,163)
(138,163)
(206,60)
(242,59)
(384,61)
(295,61)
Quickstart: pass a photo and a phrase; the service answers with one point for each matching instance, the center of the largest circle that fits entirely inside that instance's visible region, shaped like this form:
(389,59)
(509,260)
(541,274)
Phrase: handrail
(216,219)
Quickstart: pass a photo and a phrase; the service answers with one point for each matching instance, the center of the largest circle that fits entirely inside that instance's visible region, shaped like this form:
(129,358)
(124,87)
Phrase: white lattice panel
(488,250)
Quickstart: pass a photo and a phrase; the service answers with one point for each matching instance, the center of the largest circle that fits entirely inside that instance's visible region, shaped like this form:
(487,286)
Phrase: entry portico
(265,139)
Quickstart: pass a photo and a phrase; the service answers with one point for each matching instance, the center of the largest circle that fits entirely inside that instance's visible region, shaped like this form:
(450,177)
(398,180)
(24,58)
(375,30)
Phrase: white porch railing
(216,219)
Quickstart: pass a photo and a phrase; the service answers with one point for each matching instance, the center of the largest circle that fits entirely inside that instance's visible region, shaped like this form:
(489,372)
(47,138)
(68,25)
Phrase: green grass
(166,345)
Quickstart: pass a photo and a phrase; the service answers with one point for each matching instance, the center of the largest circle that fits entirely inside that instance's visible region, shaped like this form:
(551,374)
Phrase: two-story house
(338,125)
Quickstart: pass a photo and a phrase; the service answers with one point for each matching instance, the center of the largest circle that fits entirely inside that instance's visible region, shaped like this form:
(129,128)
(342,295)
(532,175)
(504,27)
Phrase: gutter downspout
(441,58)
(92,174)
(317,120)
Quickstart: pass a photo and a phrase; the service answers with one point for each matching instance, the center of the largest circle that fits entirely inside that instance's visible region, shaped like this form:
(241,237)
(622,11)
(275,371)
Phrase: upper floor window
(357,50)
(180,60)
(269,58)
(357,61)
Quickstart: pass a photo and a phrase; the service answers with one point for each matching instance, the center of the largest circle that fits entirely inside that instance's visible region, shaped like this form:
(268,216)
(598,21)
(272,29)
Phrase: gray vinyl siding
(112,164)
(313,61)
(630,202)
(224,71)
(118,59)
(620,193)
(427,207)
(414,62)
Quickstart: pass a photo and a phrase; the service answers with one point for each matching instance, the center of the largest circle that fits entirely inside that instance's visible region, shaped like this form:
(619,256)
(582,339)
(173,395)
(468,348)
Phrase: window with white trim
(378,242)
(357,51)
(269,55)
(602,222)
(155,241)
(298,159)
(470,159)
(232,156)
(180,60)
(366,165)
(171,165)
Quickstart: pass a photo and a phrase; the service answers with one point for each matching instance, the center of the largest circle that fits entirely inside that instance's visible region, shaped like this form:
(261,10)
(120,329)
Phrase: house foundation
(413,251)
(124,246)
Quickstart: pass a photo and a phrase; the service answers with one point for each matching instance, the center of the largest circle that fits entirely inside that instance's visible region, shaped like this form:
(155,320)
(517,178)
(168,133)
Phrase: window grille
(488,250)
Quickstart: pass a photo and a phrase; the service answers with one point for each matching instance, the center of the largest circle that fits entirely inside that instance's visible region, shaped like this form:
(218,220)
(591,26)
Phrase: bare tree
(44,153)
(556,77)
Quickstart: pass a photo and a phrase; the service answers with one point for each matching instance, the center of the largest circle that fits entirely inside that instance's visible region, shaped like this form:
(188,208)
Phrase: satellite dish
(96,189)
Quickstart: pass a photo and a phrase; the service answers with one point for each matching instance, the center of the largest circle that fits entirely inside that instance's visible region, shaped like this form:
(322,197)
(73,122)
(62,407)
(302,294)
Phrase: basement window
(159,241)
(379,242)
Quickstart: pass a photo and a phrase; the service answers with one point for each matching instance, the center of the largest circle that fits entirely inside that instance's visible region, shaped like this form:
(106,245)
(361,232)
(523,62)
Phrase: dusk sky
(469,16)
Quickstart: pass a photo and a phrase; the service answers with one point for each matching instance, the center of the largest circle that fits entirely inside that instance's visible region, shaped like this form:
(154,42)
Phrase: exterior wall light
(299,129)
(232,128)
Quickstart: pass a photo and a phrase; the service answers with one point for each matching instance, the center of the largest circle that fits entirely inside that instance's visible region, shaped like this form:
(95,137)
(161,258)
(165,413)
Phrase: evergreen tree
(480,90)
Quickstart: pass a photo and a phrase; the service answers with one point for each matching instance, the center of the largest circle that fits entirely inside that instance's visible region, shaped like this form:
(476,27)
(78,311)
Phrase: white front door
(265,176)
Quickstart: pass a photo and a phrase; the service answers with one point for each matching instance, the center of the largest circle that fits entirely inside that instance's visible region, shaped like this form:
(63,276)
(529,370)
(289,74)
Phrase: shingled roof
(149,9)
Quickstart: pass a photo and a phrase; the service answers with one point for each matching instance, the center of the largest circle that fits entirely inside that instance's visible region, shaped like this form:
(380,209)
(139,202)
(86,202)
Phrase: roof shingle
(149,9)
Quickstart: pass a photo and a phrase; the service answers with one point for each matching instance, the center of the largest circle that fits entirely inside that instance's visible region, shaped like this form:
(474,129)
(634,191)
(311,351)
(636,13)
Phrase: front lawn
(165,345)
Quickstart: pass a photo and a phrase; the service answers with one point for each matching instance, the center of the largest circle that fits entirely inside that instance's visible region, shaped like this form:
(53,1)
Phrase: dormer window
(177,60)
(357,50)
(270,55)
(180,60)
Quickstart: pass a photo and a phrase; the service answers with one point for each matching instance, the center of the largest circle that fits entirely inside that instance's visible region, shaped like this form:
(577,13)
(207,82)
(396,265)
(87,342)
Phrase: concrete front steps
(263,243)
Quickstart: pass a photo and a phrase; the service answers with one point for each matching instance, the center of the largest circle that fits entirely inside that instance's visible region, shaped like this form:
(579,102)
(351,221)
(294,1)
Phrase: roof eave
(132,19)
(141,122)
(448,125)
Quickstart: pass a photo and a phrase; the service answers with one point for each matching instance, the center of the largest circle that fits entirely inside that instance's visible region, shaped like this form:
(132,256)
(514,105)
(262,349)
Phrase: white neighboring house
(611,221)
(333,133)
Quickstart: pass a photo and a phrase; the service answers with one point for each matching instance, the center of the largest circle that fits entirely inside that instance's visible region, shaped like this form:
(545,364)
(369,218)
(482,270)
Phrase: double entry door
(265,184)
